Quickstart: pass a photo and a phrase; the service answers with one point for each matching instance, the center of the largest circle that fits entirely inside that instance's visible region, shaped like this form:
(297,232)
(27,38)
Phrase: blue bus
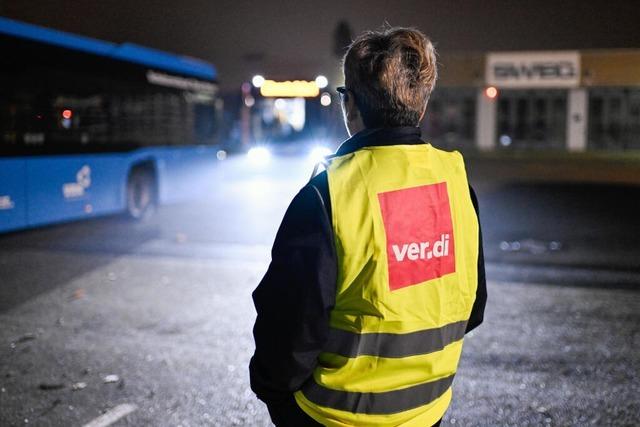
(89,127)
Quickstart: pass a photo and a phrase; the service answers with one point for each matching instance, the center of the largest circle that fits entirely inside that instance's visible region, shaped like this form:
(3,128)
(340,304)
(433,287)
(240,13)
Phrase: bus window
(79,119)
(141,117)
(23,120)
(205,122)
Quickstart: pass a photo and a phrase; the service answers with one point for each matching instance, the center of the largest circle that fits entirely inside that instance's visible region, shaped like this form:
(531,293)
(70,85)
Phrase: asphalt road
(158,315)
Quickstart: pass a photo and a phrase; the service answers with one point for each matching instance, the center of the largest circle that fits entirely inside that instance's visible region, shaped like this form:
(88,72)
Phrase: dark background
(275,37)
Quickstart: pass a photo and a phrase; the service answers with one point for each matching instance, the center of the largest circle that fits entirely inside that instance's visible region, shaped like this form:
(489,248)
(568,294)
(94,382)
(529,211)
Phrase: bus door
(532,119)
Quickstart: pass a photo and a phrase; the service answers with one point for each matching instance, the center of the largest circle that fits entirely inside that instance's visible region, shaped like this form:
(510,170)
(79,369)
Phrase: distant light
(221,154)
(249,101)
(257,80)
(259,155)
(280,104)
(289,89)
(317,154)
(491,92)
(505,140)
(322,82)
(67,114)
(325,99)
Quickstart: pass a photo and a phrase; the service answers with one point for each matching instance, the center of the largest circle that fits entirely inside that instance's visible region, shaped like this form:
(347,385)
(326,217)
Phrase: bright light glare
(221,154)
(249,101)
(505,140)
(318,153)
(280,103)
(259,155)
(290,89)
(257,80)
(67,114)
(325,99)
(322,82)
(491,92)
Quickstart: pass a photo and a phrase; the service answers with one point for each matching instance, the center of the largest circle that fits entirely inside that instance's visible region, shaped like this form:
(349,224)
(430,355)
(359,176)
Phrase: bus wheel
(141,194)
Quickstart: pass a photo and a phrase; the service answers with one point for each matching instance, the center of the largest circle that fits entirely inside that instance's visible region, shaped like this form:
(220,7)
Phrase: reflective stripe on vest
(388,402)
(406,237)
(351,344)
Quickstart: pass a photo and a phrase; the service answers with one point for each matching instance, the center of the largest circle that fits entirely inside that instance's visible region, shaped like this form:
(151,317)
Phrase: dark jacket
(296,295)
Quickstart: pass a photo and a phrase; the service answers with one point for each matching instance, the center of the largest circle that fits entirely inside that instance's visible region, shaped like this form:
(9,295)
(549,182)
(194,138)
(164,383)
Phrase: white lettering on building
(533,69)
(421,250)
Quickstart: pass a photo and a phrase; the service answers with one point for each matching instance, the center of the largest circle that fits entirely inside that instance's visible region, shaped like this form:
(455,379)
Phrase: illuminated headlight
(259,155)
(318,154)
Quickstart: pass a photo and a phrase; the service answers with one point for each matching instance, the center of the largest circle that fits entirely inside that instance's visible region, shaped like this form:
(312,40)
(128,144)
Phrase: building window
(449,122)
(614,119)
(532,119)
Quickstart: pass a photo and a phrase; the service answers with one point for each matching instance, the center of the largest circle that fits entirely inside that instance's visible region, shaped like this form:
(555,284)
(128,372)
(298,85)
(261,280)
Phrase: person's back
(407,234)
(405,244)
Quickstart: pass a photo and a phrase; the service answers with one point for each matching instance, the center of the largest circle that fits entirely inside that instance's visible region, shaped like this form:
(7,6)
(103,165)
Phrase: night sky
(293,38)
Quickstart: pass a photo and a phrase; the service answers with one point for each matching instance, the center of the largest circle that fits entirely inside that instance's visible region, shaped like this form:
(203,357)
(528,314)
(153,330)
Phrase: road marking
(112,415)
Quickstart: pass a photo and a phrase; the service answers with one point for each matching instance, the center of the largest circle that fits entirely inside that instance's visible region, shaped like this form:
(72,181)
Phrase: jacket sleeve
(477,311)
(293,300)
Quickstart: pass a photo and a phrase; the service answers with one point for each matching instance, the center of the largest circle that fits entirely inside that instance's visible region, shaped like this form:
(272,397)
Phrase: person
(377,269)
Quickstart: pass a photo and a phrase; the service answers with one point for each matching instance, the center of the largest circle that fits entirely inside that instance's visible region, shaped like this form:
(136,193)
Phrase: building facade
(543,100)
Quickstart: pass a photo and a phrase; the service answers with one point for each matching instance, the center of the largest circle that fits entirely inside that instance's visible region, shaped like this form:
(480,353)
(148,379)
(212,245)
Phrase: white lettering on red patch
(419,231)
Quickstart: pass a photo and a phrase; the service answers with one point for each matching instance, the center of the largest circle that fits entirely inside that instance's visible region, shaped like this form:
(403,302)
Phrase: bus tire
(142,197)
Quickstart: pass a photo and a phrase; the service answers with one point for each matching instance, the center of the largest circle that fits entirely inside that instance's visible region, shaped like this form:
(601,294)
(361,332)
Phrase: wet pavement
(154,319)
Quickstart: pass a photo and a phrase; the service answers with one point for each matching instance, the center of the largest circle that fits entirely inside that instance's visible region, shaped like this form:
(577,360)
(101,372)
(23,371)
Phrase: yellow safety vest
(406,237)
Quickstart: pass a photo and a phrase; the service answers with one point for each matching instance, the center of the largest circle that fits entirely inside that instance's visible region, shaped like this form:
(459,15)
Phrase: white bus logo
(73,190)
(6,203)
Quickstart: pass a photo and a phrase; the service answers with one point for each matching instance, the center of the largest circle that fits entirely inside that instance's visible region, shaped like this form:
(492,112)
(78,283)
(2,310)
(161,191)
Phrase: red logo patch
(419,231)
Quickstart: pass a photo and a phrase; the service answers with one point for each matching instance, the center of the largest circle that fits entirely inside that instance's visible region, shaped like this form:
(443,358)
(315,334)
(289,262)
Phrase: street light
(325,99)
(257,80)
(322,82)
(491,92)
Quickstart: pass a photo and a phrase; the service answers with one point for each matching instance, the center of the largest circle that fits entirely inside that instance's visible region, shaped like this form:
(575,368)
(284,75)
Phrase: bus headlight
(259,155)
(318,154)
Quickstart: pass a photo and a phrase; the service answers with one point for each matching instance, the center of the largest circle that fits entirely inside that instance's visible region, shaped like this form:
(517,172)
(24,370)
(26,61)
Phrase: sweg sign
(533,70)
(419,232)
